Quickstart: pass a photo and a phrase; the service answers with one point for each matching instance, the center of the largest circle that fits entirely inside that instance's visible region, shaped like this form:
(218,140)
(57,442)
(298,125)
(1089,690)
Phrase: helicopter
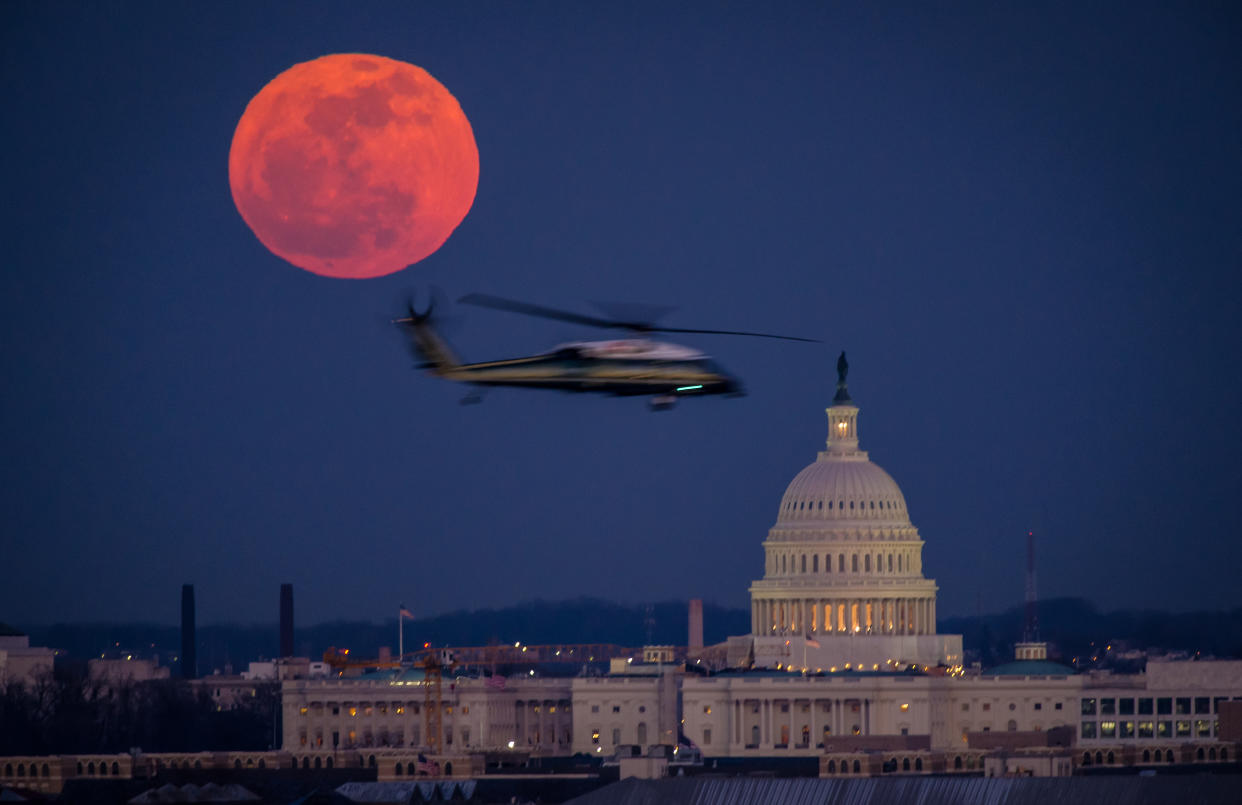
(626,367)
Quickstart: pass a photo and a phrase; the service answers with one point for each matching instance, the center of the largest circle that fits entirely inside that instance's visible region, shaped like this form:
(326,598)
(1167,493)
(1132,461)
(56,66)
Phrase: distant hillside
(1070,625)
(584,620)
(1075,627)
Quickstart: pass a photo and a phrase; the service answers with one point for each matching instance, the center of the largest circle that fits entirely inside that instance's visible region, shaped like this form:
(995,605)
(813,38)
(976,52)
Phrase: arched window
(821,505)
(21,769)
(318,763)
(1013,725)
(854,563)
(851,509)
(397,769)
(898,563)
(828,563)
(198,764)
(1198,755)
(1110,758)
(45,767)
(1168,756)
(262,763)
(79,767)
(841,505)
(90,768)
(327,763)
(784,567)
(841,563)
(832,767)
(857,768)
(873,505)
(1211,756)
(867,563)
(918,764)
(371,761)
(1146,755)
(1099,758)
(815,563)
(116,768)
(306,763)
(890,563)
(957,762)
(830,505)
(1224,755)
(803,563)
(1086,758)
(905,764)
(642,733)
(237,764)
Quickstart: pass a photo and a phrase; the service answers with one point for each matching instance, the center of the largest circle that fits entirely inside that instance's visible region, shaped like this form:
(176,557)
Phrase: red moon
(353,165)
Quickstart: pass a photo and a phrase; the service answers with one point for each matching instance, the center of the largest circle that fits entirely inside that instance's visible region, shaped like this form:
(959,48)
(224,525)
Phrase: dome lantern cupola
(842,415)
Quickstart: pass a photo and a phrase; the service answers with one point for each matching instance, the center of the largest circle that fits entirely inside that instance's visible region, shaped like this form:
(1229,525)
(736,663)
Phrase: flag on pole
(405,613)
(812,642)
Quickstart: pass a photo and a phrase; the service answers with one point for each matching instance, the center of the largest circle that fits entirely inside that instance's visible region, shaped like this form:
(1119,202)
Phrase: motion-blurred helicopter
(635,366)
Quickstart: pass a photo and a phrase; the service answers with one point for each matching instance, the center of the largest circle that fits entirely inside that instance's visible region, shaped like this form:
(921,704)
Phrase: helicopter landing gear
(663,402)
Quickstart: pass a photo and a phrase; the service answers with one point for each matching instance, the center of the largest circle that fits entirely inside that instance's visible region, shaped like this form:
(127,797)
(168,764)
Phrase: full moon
(353,165)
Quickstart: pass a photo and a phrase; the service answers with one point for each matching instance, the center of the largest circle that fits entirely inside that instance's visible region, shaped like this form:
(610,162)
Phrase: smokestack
(189,658)
(1031,633)
(696,624)
(286,620)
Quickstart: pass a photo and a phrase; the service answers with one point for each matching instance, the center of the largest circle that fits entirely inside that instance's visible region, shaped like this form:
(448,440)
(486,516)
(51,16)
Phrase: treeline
(1070,625)
(584,620)
(1074,627)
(66,712)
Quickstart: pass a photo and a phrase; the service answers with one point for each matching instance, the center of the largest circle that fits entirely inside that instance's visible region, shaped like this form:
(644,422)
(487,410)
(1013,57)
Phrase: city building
(19,661)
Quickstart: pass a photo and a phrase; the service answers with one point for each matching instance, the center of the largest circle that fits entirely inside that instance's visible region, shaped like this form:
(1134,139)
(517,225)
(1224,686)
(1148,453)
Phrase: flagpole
(401,635)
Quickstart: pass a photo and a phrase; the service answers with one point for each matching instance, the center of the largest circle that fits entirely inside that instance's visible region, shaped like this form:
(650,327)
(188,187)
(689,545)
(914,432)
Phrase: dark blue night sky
(1024,226)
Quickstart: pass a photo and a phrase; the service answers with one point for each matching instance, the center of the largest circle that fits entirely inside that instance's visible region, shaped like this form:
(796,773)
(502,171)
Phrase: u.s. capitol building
(843,662)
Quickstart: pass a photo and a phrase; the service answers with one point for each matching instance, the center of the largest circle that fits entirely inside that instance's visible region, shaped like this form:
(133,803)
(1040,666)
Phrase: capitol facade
(843,583)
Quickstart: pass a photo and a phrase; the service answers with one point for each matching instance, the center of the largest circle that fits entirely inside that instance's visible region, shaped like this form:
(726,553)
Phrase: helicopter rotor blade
(734,332)
(525,308)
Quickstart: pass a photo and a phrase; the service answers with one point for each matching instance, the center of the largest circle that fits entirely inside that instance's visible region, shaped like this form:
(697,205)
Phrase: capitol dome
(843,562)
(834,490)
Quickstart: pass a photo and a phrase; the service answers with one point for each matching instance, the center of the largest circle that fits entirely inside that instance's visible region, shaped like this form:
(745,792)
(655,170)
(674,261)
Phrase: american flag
(405,613)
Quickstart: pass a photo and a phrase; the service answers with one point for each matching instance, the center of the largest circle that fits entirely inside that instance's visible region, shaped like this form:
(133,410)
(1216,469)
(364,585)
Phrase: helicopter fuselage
(625,367)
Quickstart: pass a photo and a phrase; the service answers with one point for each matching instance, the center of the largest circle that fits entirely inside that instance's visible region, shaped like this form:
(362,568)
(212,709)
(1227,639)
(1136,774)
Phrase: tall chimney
(696,624)
(286,620)
(189,657)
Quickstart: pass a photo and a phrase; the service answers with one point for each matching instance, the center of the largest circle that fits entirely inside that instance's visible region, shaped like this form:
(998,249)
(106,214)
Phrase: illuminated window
(1146,729)
(1108,729)
(707,709)
(303,710)
(400,710)
(353,711)
(905,706)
